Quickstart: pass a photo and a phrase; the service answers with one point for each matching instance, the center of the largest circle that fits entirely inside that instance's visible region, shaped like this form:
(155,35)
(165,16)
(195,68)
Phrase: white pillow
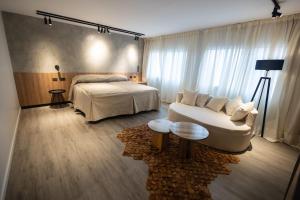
(250,119)
(202,99)
(248,106)
(179,97)
(232,105)
(217,103)
(189,97)
(242,111)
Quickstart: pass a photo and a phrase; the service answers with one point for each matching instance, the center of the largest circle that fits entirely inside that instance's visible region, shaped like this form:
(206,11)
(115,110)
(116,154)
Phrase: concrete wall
(35,47)
(9,111)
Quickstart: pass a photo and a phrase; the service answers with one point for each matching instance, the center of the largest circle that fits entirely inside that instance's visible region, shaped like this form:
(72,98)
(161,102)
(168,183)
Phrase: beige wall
(9,110)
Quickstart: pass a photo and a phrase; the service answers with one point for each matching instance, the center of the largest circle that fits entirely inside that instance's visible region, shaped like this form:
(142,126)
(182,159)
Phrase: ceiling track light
(136,37)
(45,20)
(50,21)
(98,29)
(103,28)
(275,12)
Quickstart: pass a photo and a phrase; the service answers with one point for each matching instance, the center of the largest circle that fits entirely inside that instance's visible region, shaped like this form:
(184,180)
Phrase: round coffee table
(188,132)
(160,129)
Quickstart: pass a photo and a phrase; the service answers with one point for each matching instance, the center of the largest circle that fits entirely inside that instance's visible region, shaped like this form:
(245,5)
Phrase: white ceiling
(155,17)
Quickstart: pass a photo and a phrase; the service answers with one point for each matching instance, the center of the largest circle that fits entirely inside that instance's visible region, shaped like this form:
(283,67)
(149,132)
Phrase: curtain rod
(47,14)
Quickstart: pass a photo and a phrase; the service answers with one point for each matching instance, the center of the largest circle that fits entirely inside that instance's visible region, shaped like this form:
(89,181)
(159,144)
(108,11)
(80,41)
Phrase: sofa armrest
(179,97)
(250,119)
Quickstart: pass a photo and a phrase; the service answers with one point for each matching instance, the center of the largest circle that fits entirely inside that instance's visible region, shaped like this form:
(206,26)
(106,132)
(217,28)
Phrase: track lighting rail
(70,19)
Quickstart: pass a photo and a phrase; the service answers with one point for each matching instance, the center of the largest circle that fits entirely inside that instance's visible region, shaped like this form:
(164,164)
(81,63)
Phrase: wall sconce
(57,68)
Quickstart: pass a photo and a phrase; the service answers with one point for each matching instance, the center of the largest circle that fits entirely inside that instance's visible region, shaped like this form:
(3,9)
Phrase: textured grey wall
(35,47)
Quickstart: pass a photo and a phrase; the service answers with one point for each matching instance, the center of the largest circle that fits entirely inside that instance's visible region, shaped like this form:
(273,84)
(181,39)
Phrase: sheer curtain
(284,116)
(171,62)
(227,66)
(221,61)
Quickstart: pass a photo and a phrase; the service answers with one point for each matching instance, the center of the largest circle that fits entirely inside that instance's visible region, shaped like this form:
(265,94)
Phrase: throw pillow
(202,99)
(242,111)
(250,119)
(217,103)
(179,97)
(232,105)
(189,97)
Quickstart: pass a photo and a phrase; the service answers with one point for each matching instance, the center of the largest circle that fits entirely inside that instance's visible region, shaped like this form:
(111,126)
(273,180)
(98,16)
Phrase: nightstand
(142,82)
(57,99)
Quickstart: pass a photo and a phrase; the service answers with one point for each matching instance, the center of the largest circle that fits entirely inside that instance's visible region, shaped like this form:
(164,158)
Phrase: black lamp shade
(269,64)
(56,67)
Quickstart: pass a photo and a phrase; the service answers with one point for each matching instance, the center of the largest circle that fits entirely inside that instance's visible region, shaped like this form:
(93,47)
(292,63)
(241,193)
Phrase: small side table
(160,136)
(57,97)
(188,132)
(142,83)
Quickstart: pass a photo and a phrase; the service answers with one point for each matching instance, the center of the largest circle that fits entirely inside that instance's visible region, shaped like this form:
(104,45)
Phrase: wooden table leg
(185,148)
(165,141)
(160,140)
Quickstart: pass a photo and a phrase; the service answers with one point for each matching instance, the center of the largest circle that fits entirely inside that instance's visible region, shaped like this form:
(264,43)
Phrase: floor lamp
(266,65)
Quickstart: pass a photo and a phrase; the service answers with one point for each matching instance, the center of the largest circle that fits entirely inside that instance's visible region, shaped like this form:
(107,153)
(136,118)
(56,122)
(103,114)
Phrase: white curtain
(170,62)
(284,115)
(221,62)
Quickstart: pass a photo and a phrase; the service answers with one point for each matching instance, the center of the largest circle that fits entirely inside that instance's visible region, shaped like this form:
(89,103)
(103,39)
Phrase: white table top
(160,125)
(189,131)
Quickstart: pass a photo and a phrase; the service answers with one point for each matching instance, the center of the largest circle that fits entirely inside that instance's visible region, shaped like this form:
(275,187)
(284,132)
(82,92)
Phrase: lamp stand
(268,80)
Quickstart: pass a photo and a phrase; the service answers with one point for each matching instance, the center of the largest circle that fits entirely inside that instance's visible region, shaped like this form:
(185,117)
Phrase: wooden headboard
(33,88)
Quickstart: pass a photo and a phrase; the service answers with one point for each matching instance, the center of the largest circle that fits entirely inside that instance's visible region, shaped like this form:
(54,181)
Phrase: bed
(103,96)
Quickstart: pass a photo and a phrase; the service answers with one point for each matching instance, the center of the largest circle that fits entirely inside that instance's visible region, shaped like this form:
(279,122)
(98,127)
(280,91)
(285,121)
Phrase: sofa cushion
(189,97)
(205,116)
(202,99)
(232,105)
(242,111)
(216,103)
(250,119)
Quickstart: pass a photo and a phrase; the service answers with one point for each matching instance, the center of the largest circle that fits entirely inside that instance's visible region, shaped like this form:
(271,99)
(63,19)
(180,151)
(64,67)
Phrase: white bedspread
(107,99)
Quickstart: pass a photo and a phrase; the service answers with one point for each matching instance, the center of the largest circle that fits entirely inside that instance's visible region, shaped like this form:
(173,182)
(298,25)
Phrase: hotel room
(135,99)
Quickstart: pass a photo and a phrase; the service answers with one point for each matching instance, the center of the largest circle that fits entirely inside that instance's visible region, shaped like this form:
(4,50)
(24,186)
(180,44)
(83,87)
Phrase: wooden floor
(59,156)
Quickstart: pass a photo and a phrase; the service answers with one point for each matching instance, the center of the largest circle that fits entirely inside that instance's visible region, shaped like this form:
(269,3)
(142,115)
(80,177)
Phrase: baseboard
(6,176)
(45,104)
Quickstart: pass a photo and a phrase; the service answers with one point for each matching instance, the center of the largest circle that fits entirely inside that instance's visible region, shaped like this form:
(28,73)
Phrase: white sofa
(224,134)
